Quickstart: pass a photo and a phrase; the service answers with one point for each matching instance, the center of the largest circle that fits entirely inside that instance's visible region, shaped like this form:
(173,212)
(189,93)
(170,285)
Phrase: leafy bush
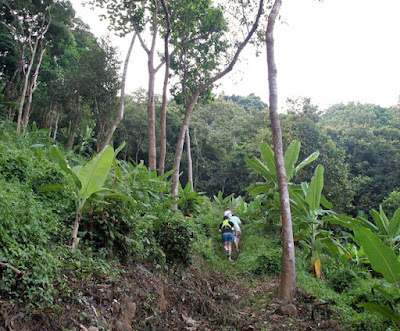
(269,264)
(26,229)
(190,202)
(341,280)
(175,237)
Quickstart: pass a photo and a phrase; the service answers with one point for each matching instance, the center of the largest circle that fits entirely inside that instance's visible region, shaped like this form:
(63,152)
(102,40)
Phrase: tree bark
(194,97)
(151,117)
(74,240)
(74,125)
(189,158)
(120,115)
(197,168)
(56,126)
(287,286)
(179,144)
(33,86)
(33,48)
(163,120)
(25,88)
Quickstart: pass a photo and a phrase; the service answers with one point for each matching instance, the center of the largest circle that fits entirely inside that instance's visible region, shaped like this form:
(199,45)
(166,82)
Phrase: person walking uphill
(227,229)
(236,222)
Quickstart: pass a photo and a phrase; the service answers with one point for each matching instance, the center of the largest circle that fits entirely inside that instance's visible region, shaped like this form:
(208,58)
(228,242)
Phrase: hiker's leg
(237,241)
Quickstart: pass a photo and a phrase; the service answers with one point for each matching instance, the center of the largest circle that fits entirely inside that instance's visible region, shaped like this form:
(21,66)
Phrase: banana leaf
(261,168)
(313,196)
(394,224)
(380,223)
(381,257)
(349,222)
(95,172)
(290,158)
(58,158)
(385,311)
(268,157)
(306,161)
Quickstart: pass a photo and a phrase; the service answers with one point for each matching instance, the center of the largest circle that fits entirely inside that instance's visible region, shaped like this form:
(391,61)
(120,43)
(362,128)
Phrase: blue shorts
(227,237)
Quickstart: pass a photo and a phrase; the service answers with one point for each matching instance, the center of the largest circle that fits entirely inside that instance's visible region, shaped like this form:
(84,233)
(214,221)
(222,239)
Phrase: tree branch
(7,265)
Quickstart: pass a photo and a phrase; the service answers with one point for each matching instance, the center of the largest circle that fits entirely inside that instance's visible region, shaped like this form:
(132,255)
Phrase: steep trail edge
(197,299)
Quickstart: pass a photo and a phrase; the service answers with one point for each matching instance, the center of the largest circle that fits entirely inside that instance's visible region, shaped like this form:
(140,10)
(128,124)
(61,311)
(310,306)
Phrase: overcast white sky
(331,51)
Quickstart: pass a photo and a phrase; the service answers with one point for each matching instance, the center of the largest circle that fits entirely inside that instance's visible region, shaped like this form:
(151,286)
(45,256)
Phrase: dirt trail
(199,299)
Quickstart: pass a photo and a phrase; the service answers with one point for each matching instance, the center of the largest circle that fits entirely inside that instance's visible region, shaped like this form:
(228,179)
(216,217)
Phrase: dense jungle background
(92,235)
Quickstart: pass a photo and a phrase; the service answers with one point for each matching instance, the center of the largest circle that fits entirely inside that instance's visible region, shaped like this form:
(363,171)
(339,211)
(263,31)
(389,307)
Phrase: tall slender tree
(287,286)
(199,66)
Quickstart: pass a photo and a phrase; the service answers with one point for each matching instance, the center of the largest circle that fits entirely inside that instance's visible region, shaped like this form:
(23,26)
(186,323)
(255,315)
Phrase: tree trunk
(179,145)
(39,40)
(56,126)
(151,117)
(287,286)
(191,104)
(74,125)
(74,240)
(120,115)
(163,120)
(189,158)
(48,122)
(197,168)
(33,86)
(25,88)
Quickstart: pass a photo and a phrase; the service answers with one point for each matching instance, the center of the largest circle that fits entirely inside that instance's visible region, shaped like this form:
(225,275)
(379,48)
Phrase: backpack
(225,223)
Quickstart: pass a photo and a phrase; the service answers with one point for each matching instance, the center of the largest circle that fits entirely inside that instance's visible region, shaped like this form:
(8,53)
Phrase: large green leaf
(385,311)
(306,161)
(290,158)
(383,216)
(258,188)
(382,258)
(394,224)
(349,222)
(54,187)
(313,197)
(261,168)
(95,172)
(380,223)
(59,158)
(268,157)
(298,202)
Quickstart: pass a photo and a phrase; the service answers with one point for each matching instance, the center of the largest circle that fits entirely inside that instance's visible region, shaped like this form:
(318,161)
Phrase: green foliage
(384,261)
(341,280)
(266,167)
(268,264)
(88,181)
(25,230)
(391,203)
(189,201)
(388,229)
(175,237)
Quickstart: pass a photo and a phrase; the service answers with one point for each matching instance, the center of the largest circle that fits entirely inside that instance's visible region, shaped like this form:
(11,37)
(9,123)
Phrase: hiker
(236,222)
(228,212)
(227,229)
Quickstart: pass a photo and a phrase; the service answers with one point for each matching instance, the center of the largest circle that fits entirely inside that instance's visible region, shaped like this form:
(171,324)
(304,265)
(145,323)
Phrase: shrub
(175,237)
(25,232)
(341,280)
(269,264)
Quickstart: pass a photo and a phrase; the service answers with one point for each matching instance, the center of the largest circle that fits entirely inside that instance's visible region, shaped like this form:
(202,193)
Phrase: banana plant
(266,167)
(87,181)
(224,202)
(190,201)
(388,230)
(384,261)
(306,209)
